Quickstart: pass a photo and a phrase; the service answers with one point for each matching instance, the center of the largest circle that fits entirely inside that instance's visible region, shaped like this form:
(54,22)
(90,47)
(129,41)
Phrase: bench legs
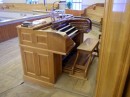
(73,67)
(87,65)
(81,67)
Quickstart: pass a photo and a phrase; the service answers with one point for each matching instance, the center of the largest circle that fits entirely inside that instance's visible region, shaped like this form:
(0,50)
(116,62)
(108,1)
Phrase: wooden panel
(26,37)
(33,38)
(43,63)
(29,62)
(56,42)
(44,66)
(41,40)
(39,64)
(8,31)
(115,49)
(58,65)
(74,12)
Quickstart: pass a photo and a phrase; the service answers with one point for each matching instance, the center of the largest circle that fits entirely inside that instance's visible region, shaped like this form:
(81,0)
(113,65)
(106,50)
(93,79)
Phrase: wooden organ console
(44,47)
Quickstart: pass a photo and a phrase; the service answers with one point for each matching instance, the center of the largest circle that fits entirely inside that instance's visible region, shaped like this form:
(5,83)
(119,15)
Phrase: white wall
(90,2)
(51,1)
(14,1)
(86,3)
(48,1)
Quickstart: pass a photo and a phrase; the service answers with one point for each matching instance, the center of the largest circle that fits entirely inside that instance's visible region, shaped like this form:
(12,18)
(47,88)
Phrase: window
(77,4)
(1,1)
(32,1)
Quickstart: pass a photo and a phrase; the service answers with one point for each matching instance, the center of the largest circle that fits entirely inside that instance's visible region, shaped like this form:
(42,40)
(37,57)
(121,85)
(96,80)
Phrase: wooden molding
(115,52)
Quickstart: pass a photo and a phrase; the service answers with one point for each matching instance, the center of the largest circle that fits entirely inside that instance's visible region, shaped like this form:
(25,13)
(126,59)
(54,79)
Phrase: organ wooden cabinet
(37,62)
(44,47)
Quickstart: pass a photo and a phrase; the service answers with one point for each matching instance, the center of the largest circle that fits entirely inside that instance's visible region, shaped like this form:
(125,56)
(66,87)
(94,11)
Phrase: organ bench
(88,47)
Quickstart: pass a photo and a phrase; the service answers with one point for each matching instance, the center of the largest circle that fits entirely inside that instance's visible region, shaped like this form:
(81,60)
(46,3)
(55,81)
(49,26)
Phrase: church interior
(68,48)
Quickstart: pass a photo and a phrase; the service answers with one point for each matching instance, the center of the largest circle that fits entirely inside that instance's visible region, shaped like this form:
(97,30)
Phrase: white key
(73,33)
(63,27)
(69,29)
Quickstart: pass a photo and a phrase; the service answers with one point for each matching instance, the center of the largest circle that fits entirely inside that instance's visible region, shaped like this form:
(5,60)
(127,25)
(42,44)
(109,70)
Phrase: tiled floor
(27,90)
(11,81)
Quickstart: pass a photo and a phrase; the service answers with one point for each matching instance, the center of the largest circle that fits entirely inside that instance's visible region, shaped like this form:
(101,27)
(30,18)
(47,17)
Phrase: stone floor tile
(8,82)
(65,94)
(24,90)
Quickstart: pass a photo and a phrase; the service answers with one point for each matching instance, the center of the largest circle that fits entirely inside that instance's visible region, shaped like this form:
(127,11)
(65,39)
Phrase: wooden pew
(95,12)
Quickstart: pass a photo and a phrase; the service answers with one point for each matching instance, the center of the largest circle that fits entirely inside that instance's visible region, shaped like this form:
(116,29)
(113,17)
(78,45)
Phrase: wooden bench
(87,48)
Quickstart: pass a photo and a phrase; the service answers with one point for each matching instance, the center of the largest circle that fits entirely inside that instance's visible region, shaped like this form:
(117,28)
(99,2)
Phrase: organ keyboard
(69,30)
(47,45)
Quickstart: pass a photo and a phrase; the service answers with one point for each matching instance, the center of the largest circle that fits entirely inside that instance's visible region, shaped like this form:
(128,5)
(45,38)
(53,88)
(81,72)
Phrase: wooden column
(126,92)
(114,60)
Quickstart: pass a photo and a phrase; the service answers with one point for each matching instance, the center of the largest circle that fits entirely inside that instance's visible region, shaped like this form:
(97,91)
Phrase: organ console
(45,47)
